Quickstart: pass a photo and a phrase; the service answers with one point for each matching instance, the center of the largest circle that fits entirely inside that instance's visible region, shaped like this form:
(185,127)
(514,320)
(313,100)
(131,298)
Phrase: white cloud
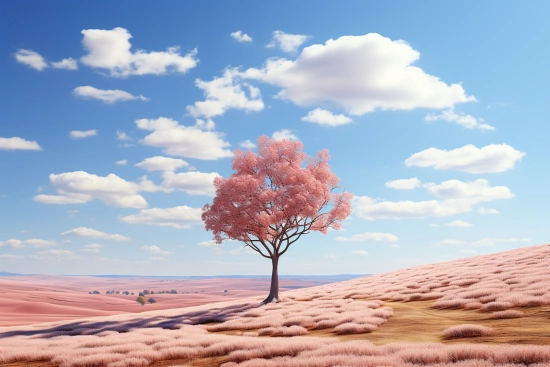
(395,245)
(122,162)
(247,144)
(16,143)
(489,159)
(360,252)
(110,50)
(80,187)
(324,117)
(239,36)
(369,236)
(75,134)
(89,232)
(193,183)
(459,223)
(154,249)
(404,184)
(224,93)
(467,121)
(492,241)
(457,197)
(483,210)
(450,243)
(360,74)
(209,243)
(177,217)
(31,58)
(284,134)
(159,163)
(184,141)
(34,242)
(287,42)
(10,256)
(477,191)
(107,95)
(94,247)
(121,135)
(157,258)
(55,252)
(68,64)
(483,242)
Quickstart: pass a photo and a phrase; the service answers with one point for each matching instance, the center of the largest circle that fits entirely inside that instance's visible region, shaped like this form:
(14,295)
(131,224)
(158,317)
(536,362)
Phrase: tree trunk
(274,291)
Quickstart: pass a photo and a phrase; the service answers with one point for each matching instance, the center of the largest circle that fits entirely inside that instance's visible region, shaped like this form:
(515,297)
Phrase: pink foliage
(271,193)
(467,330)
(508,314)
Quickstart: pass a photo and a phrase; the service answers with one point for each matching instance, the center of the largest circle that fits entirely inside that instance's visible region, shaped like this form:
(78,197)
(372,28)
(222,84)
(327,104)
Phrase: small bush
(467,330)
(508,314)
(96,292)
(151,300)
(141,300)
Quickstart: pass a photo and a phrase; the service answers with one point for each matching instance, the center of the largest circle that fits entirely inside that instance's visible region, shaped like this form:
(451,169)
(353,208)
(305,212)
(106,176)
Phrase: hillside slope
(490,310)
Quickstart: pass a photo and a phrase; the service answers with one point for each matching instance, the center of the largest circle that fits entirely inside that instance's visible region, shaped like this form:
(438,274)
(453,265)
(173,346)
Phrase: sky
(115,118)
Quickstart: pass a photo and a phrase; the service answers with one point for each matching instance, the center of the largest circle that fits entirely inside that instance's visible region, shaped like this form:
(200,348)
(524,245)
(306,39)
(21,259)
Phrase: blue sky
(435,116)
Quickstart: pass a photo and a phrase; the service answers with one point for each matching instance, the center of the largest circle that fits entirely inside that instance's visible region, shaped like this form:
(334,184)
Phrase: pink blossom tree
(272,200)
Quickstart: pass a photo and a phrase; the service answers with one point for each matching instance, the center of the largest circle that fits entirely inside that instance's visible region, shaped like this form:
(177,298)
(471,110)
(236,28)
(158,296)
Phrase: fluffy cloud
(10,256)
(467,121)
(56,252)
(94,247)
(106,96)
(75,134)
(456,197)
(404,184)
(360,74)
(360,252)
(184,141)
(159,163)
(27,243)
(239,36)
(483,210)
(31,58)
(209,243)
(476,191)
(110,50)
(154,249)
(224,93)
(459,223)
(193,183)
(469,158)
(16,143)
(482,242)
(247,144)
(324,117)
(369,236)
(121,135)
(80,187)
(284,134)
(287,42)
(68,64)
(89,232)
(122,162)
(178,217)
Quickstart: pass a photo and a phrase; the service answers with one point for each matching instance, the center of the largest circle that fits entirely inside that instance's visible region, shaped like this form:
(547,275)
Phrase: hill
(490,310)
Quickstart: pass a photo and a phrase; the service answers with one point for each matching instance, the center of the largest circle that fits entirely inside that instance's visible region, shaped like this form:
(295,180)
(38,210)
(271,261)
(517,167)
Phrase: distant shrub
(173,292)
(225,291)
(141,300)
(467,330)
(132,293)
(151,300)
(496,306)
(96,292)
(126,293)
(508,314)
(141,294)
(117,292)
(145,292)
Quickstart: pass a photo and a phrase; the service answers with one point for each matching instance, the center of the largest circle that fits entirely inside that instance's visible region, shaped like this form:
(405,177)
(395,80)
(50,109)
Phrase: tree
(271,200)
(141,300)
(141,294)
(151,300)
